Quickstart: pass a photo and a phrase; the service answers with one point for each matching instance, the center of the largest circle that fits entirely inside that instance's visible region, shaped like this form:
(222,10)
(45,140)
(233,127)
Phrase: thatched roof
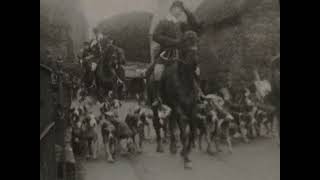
(214,12)
(130,32)
(239,35)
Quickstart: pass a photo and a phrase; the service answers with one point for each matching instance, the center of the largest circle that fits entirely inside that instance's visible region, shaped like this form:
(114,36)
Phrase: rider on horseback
(113,59)
(95,44)
(168,34)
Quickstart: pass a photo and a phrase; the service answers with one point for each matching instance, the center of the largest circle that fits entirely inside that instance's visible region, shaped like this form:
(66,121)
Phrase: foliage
(62,27)
(235,44)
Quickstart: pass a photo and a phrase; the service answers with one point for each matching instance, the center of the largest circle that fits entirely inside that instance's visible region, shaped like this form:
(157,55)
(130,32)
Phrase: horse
(177,90)
(88,75)
(108,78)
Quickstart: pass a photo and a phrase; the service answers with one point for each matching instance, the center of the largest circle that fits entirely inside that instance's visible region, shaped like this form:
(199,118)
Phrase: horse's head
(189,50)
(111,54)
(189,47)
(189,56)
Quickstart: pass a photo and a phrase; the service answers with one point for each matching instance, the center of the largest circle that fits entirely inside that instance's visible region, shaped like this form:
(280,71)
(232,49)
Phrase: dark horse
(179,93)
(88,76)
(108,76)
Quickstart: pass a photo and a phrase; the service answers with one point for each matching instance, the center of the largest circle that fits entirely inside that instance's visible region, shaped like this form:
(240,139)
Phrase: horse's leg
(172,128)
(253,127)
(200,137)
(94,147)
(141,137)
(114,88)
(109,155)
(192,136)
(187,136)
(208,141)
(182,127)
(98,89)
(115,148)
(156,125)
(138,142)
(190,139)
(215,136)
(196,134)
(243,131)
(257,127)
(89,148)
(228,136)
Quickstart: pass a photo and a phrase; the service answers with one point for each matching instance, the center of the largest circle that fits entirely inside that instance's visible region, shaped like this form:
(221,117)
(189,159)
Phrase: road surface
(259,160)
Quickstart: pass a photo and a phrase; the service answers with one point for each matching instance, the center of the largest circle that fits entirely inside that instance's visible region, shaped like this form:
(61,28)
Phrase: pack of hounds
(219,122)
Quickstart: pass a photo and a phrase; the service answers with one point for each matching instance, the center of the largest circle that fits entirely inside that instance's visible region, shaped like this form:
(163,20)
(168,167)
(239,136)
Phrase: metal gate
(55,98)
(48,167)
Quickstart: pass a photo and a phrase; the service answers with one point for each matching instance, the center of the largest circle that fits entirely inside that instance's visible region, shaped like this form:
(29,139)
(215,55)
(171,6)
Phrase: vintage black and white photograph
(159,90)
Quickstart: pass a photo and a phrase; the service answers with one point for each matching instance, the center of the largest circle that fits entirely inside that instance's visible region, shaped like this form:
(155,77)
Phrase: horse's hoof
(193,146)
(188,165)
(210,152)
(139,151)
(182,153)
(160,149)
(110,160)
(173,149)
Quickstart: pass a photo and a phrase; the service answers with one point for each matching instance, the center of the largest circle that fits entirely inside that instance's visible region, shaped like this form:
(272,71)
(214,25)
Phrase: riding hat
(109,113)
(178,4)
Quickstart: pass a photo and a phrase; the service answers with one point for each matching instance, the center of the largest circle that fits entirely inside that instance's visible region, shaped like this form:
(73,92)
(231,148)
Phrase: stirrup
(155,103)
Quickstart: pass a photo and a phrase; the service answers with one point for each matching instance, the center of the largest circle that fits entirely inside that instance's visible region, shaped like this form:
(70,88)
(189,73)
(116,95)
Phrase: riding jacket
(168,32)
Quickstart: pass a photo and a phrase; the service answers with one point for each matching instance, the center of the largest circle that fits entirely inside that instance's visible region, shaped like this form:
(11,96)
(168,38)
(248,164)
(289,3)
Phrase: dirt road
(259,160)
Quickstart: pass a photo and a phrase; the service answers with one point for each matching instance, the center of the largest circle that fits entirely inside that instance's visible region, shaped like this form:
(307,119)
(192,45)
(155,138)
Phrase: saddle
(168,56)
(165,58)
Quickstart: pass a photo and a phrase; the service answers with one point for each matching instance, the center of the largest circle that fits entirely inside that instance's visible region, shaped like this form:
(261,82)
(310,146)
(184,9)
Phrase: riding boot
(200,94)
(150,70)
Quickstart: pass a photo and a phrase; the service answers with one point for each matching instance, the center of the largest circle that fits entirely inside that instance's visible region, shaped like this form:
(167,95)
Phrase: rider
(86,57)
(119,62)
(168,34)
(85,54)
(115,60)
(95,44)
